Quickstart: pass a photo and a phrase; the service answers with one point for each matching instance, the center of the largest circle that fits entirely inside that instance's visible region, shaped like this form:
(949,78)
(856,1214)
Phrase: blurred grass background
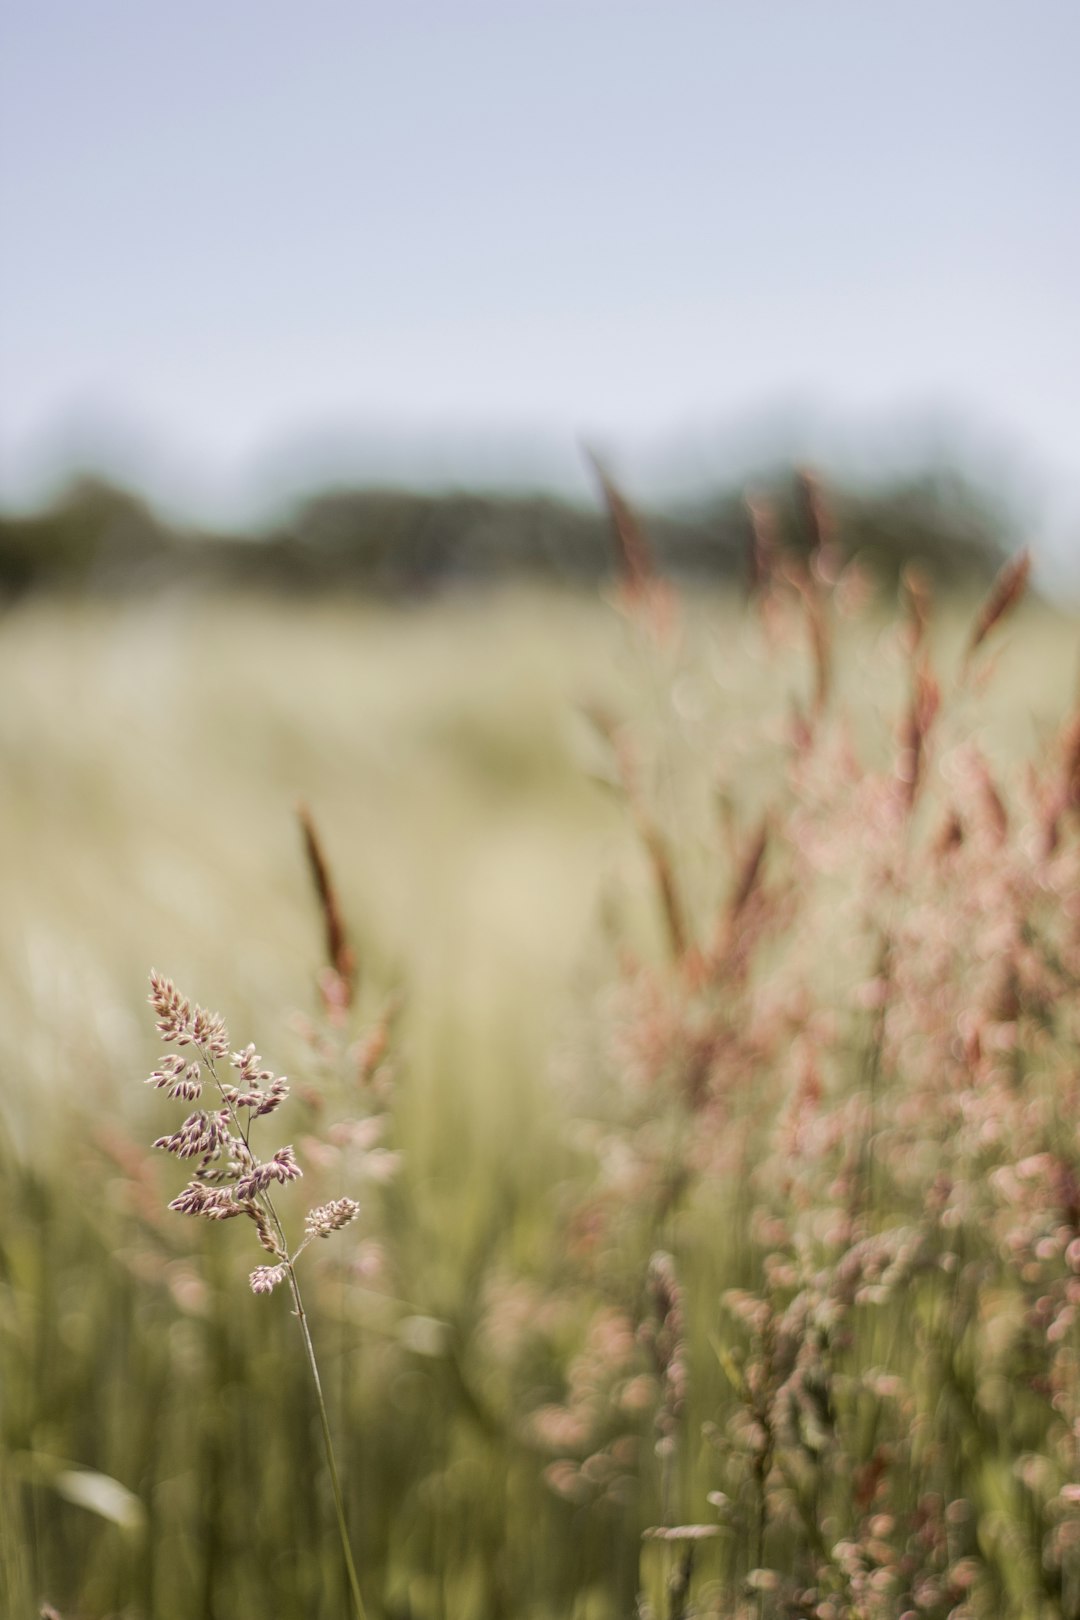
(159,1450)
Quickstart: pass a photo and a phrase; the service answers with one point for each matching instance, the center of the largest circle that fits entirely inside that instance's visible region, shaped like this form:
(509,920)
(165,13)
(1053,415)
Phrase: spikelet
(819,527)
(264,1279)
(643,591)
(918,717)
(764,547)
(993,805)
(817,625)
(918,602)
(339,983)
(331,1217)
(656,847)
(1002,597)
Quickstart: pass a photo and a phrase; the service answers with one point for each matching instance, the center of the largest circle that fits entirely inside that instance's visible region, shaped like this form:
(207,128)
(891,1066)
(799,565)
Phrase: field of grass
(159,1446)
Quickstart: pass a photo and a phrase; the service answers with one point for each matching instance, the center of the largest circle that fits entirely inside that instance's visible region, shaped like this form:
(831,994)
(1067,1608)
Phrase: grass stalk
(328,1446)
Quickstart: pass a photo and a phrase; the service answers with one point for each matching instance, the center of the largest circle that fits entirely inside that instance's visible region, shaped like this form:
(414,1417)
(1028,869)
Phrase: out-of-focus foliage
(392,541)
(92,534)
(521,1383)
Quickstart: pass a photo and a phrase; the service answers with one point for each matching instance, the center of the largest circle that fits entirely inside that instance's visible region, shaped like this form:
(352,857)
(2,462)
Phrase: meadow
(705,1081)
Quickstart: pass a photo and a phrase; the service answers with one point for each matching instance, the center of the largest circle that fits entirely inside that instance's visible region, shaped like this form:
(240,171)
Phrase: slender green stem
(339,1501)
(301,1315)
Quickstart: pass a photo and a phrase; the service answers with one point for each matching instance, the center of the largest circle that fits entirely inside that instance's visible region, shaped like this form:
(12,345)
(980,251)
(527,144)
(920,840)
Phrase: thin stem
(265,1201)
(339,1501)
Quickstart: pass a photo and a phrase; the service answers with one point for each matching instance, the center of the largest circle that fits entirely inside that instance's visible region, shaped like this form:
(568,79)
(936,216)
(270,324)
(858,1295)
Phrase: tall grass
(564,1319)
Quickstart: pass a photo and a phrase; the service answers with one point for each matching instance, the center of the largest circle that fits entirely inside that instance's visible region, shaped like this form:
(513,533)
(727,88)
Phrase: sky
(248,242)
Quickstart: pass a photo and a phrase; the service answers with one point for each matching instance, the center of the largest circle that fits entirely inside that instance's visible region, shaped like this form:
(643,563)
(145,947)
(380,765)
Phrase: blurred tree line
(96,536)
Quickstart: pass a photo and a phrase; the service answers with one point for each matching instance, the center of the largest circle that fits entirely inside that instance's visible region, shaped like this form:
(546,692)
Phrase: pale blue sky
(236,227)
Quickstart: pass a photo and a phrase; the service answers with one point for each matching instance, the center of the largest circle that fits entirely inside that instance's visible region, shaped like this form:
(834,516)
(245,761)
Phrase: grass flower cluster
(231,1181)
(847,1105)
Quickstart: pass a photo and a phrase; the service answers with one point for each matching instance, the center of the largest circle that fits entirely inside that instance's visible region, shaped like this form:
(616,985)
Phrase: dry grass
(487,872)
